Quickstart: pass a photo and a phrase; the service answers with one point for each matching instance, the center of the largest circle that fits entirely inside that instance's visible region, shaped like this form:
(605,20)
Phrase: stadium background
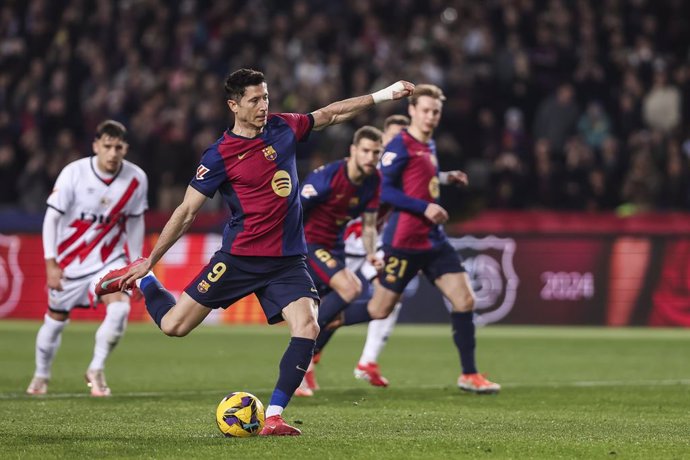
(571,118)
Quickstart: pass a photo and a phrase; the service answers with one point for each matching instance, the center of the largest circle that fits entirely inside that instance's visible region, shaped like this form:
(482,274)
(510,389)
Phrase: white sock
(377,335)
(109,333)
(274,410)
(47,343)
(138,281)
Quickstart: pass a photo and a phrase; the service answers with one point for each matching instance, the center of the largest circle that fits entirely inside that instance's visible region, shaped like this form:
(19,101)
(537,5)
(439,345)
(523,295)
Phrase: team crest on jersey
(387,158)
(203,286)
(270,153)
(281,183)
(11,276)
(309,191)
(201,172)
(354,201)
(434,189)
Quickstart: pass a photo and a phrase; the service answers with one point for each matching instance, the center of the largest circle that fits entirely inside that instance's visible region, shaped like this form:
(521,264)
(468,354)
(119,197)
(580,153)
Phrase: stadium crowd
(557,104)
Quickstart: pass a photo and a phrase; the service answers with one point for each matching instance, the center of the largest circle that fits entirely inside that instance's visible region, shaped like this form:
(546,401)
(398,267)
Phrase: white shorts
(80,292)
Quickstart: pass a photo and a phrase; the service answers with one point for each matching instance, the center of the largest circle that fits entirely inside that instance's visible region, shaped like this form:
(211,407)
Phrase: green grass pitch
(567,393)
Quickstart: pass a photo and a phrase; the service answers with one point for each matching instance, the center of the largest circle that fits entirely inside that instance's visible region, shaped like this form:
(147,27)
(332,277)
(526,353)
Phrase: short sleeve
(210,174)
(300,124)
(141,204)
(62,195)
(315,188)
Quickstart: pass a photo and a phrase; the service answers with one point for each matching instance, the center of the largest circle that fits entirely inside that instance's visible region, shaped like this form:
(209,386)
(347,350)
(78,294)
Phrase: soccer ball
(240,414)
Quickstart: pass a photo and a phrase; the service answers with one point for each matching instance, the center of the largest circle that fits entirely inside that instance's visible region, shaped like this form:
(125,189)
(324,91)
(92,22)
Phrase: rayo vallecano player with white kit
(96,206)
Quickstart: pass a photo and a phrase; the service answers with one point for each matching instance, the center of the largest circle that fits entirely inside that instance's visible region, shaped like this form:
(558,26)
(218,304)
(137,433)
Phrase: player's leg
(291,285)
(377,335)
(49,337)
(108,336)
(48,341)
(346,287)
(301,318)
(455,285)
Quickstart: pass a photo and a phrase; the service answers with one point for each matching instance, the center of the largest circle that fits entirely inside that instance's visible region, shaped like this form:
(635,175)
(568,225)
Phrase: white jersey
(94,210)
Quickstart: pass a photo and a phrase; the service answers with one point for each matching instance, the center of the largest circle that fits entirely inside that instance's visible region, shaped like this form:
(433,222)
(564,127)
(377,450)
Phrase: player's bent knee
(464,304)
(308,329)
(351,292)
(174,328)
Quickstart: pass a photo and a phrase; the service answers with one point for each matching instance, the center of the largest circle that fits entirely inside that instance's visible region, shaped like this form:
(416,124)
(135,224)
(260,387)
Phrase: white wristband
(386,94)
(443,177)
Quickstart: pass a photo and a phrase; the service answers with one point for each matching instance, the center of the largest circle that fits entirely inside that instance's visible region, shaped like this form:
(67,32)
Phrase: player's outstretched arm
(177,225)
(340,111)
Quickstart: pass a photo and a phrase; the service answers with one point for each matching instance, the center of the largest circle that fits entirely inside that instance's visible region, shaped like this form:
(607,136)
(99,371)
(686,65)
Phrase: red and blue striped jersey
(410,182)
(257,178)
(331,200)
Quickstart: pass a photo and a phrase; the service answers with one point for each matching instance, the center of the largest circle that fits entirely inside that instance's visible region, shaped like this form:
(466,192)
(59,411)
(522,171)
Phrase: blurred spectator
(514,72)
(594,125)
(661,106)
(557,117)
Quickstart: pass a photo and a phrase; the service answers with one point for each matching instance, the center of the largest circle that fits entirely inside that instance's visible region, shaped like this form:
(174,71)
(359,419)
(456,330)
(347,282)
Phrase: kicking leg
(301,318)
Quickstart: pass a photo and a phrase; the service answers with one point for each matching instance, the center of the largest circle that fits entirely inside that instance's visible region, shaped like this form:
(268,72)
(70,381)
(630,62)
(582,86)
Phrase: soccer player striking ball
(356,260)
(332,195)
(414,238)
(253,167)
(97,204)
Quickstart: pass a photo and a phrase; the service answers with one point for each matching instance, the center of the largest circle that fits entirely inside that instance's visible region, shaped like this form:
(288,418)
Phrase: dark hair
(237,81)
(401,120)
(367,132)
(111,128)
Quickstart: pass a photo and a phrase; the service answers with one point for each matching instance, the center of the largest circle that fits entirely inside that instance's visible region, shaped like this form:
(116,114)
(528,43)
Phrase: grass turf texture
(567,393)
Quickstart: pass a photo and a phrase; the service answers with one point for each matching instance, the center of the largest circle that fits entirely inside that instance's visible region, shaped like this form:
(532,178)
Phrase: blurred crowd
(553,104)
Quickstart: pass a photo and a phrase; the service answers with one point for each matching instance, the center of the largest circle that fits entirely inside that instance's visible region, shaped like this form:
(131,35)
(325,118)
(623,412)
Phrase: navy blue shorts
(401,266)
(323,264)
(276,281)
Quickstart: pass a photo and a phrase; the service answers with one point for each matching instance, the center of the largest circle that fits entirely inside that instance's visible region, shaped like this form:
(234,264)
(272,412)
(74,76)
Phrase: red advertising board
(526,268)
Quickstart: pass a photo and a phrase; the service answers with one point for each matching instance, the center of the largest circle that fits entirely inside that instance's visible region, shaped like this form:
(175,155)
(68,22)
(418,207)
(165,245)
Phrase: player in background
(414,239)
(356,261)
(96,206)
(378,330)
(332,195)
(253,166)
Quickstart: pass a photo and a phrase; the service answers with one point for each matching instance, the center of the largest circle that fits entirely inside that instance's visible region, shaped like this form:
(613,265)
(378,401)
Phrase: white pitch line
(555,384)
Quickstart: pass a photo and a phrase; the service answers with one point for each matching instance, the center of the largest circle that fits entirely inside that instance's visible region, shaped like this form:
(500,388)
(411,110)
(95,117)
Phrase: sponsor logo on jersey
(201,172)
(203,286)
(434,189)
(270,153)
(309,191)
(387,158)
(105,201)
(281,183)
(11,276)
(242,155)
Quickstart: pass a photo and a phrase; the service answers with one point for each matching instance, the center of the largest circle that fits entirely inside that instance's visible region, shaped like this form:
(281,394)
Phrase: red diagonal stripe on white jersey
(84,249)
